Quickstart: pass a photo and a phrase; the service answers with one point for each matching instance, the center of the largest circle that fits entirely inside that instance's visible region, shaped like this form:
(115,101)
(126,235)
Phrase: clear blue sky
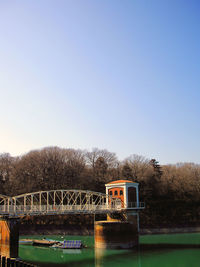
(120,75)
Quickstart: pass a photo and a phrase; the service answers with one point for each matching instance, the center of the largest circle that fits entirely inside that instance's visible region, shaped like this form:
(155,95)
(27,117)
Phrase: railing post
(31,203)
(47,201)
(4,205)
(24,203)
(14,205)
(68,199)
(54,200)
(40,202)
(81,206)
(8,204)
(137,196)
(62,200)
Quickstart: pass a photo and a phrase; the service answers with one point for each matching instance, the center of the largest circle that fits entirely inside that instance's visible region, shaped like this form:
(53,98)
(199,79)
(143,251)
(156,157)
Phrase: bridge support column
(9,236)
(115,234)
(119,231)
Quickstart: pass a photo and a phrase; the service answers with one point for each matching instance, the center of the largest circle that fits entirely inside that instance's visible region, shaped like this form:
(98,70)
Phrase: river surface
(88,257)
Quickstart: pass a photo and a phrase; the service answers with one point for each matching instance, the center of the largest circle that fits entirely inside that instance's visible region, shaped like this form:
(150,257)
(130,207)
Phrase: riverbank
(56,230)
(176,230)
(89,230)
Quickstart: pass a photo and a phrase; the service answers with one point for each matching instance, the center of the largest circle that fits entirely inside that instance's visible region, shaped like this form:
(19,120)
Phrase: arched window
(110,193)
(116,193)
(121,192)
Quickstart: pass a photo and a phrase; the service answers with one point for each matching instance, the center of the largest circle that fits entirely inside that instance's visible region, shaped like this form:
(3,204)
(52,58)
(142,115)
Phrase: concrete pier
(115,234)
(9,236)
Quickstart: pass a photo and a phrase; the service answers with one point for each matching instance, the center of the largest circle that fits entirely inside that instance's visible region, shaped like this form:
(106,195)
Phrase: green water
(106,258)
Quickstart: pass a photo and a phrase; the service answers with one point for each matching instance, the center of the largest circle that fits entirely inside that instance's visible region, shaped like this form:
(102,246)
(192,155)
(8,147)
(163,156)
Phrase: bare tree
(139,166)
(5,166)
(109,157)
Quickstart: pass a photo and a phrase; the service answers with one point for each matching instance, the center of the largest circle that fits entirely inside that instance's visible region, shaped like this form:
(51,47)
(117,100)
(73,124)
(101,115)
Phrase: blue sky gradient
(120,75)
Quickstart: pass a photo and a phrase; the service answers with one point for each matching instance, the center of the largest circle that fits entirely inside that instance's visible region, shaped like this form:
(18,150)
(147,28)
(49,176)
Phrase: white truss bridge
(55,202)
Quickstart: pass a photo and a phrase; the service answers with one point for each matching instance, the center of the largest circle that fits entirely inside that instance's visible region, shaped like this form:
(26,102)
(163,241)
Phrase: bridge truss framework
(61,202)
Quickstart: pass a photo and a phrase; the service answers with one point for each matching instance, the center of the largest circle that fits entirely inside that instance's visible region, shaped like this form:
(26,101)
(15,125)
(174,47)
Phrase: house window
(121,192)
(115,192)
(110,193)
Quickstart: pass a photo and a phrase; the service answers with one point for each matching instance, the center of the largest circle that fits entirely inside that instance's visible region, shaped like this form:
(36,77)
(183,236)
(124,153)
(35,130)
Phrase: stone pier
(9,236)
(115,234)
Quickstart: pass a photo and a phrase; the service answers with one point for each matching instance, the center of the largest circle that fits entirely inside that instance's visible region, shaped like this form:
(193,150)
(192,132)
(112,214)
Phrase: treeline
(172,187)
(57,168)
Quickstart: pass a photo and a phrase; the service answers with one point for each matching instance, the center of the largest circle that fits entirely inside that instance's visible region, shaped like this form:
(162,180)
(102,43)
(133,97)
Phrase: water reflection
(71,251)
(149,256)
(106,258)
(99,257)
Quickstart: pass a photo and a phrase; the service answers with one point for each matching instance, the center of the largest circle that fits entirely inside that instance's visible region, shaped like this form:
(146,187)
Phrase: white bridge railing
(62,209)
(136,205)
(56,209)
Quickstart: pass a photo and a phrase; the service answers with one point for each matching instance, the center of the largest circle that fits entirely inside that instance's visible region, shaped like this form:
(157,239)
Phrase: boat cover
(72,244)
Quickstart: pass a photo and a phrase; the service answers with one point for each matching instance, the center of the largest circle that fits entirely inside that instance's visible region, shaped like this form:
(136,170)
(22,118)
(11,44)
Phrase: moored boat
(44,242)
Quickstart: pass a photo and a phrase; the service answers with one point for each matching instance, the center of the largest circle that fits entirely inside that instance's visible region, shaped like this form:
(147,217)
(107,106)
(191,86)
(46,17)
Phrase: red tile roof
(121,181)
